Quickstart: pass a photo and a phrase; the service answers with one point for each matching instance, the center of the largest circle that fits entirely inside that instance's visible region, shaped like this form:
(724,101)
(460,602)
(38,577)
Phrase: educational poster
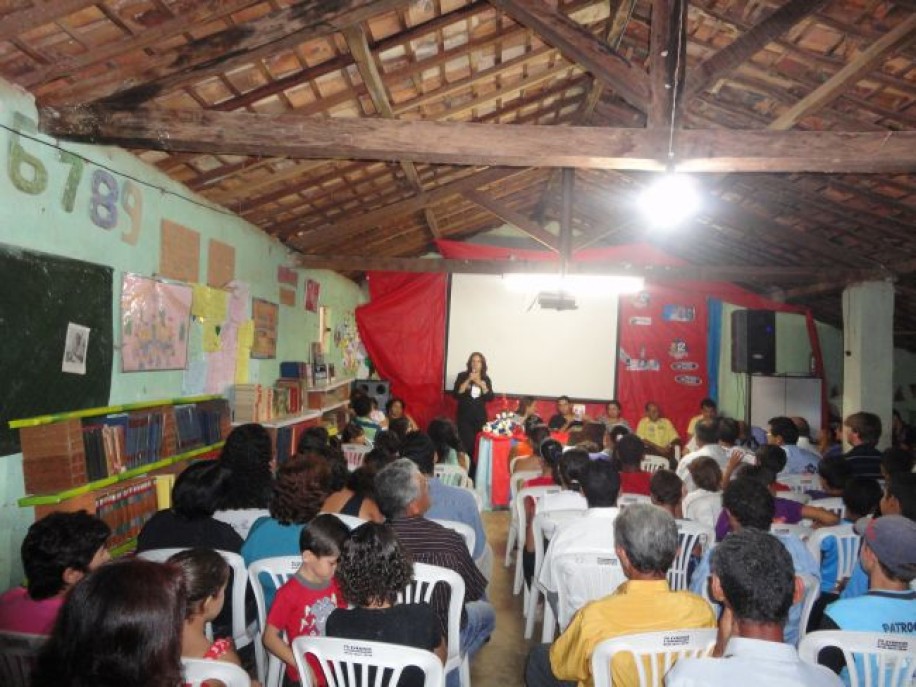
(154,324)
(266,317)
(312,291)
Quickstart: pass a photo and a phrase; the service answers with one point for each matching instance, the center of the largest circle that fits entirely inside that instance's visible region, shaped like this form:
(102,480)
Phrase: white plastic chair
(17,656)
(351,521)
(354,453)
(624,500)
(654,463)
(689,534)
(278,570)
(800,531)
(584,576)
(832,503)
(797,496)
(799,484)
(453,475)
(655,651)
(347,662)
(515,483)
(421,589)
(891,658)
(521,519)
(241,636)
(199,670)
(847,547)
(462,528)
(812,592)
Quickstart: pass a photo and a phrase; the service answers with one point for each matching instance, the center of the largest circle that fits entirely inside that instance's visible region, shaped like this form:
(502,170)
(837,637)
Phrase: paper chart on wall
(154,324)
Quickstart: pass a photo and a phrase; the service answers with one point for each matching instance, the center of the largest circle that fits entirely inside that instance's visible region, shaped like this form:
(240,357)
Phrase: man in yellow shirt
(645,542)
(657,432)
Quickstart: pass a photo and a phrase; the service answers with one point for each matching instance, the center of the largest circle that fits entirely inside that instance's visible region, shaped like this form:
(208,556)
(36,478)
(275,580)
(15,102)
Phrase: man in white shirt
(783,432)
(706,435)
(753,577)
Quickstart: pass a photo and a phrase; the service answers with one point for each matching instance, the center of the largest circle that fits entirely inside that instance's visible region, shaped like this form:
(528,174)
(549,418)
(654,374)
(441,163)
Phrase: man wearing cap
(888,556)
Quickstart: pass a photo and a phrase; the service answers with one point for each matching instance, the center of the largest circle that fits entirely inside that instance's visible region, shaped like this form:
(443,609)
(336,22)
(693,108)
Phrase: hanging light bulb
(669,200)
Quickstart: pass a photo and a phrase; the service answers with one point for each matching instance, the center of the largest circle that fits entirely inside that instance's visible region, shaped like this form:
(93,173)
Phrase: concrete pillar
(868,343)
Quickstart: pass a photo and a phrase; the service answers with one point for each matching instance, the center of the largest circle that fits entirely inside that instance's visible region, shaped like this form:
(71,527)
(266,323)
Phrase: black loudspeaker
(754,341)
(379,389)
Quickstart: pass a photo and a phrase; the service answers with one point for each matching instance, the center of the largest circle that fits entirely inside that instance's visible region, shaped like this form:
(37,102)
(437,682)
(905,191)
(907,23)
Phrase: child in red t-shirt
(303,604)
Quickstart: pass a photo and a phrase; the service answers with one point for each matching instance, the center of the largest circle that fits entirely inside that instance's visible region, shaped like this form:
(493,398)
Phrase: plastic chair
(462,528)
(624,500)
(891,658)
(241,636)
(584,576)
(812,592)
(797,496)
(654,463)
(421,589)
(847,547)
(350,521)
(689,534)
(655,651)
(197,671)
(354,453)
(348,662)
(799,531)
(521,519)
(515,483)
(17,656)
(799,484)
(832,503)
(278,570)
(453,475)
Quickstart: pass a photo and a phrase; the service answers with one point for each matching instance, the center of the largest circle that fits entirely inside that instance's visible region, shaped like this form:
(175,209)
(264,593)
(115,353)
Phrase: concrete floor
(501,662)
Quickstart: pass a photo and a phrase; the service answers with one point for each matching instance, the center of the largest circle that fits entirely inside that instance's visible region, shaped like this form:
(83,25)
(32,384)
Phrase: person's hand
(735,458)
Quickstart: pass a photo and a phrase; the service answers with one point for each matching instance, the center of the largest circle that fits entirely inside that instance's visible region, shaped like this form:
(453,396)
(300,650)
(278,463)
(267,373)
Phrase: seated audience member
(362,412)
(387,443)
(549,453)
(783,432)
(524,410)
(447,502)
(373,570)
(753,580)
(569,471)
(630,452)
(613,437)
(120,626)
(887,556)
(612,416)
(354,434)
(313,438)
(645,542)
(863,430)
(833,473)
(704,503)
(667,492)
(349,493)
(898,429)
(395,409)
(57,552)
(830,439)
(530,457)
(747,503)
(206,575)
(564,418)
(728,434)
(895,460)
(594,439)
(804,434)
(399,427)
(449,449)
(403,497)
(304,603)
(249,455)
(657,432)
(708,413)
(706,439)
(601,486)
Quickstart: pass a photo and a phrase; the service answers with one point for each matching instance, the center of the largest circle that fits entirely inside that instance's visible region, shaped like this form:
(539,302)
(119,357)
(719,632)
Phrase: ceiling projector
(556,300)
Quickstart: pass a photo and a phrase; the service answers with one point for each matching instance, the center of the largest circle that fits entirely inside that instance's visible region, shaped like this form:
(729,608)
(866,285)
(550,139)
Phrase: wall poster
(155,317)
(266,317)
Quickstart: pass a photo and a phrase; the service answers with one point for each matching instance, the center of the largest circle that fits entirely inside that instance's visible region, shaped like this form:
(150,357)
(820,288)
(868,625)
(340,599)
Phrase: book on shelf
(252,403)
(188,427)
(126,508)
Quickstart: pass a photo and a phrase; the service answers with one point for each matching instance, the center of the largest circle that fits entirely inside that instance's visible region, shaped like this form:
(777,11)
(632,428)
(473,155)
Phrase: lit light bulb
(670,200)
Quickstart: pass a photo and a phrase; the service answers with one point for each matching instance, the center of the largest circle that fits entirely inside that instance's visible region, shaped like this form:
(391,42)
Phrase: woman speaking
(473,389)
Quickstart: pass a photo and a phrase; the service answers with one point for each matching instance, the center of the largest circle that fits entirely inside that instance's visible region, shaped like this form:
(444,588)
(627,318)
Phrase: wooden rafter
(667,62)
(42,12)
(568,189)
(516,219)
(461,143)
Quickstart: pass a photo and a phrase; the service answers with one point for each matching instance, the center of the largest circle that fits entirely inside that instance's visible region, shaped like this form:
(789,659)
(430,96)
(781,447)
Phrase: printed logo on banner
(678,349)
(640,321)
(688,380)
(641,300)
(640,364)
(685,366)
(679,313)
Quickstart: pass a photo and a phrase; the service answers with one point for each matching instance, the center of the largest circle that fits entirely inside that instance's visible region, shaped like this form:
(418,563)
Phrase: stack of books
(126,508)
(252,403)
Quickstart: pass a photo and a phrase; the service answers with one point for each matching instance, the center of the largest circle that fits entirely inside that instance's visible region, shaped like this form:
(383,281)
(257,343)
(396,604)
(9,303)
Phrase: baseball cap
(892,538)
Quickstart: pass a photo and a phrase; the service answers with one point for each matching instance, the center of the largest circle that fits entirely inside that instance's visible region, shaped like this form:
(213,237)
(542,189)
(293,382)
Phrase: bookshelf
(106,460)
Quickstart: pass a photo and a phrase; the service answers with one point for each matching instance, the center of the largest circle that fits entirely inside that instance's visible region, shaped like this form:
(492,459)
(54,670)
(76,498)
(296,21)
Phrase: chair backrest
(652,652)
(354,453)
(703,507)
(519,504)
(654,463)
(812,592)
(689,535)
(799,531)
(565,499)
(348,662)
(197,671)
(798,496)
(583,576)
(462,528)
(624,499)
(832,503)
(872,659)
(847,547)
(17,656)
(799,484)
(351,521)
(453,475)
(421,589)
(239,587)
(276,571)
(517,479)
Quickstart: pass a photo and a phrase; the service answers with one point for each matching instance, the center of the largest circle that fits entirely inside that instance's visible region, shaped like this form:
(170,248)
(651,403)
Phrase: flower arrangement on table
(504,425)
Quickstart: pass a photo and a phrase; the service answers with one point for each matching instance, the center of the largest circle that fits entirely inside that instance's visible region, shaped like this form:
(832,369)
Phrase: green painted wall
(39,221)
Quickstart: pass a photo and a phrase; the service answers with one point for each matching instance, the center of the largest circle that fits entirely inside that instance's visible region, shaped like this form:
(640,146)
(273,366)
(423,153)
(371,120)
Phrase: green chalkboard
(40,295)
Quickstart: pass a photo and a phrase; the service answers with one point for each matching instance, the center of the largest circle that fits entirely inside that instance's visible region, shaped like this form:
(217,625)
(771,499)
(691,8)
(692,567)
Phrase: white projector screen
(529,350)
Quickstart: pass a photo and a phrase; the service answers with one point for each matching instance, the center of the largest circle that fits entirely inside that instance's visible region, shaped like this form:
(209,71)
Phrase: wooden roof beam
(42,12)
(461,143)
(579,45)
(667,62)
(516,219)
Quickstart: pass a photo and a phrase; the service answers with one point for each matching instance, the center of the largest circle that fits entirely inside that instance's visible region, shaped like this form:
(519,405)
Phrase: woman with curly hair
(373,568)
(249,455)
